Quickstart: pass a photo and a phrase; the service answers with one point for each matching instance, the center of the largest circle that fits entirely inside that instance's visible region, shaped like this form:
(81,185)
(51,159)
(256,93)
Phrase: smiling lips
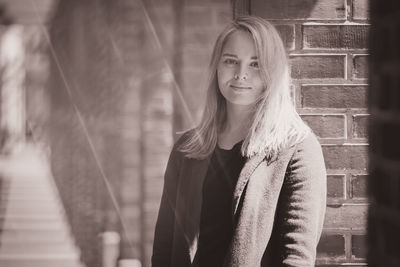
(240,87)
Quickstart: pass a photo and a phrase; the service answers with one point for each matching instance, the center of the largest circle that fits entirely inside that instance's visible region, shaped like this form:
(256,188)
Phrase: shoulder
(183,137)
(308,152)
(309,143)
(176,157)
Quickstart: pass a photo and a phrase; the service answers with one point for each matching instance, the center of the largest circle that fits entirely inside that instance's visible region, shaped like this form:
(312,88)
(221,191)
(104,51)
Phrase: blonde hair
(275,123)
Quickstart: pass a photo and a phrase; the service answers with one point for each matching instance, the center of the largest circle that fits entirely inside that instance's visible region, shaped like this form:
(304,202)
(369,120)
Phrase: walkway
(33,229)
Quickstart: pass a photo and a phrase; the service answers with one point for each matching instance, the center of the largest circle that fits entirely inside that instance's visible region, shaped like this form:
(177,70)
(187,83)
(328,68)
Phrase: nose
(241,73)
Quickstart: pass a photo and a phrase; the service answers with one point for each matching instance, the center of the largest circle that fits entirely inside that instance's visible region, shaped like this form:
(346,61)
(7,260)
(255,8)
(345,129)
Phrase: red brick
(149,251)
(206,1)
(287,34)
(334,96)
(335,36)
(153,189)
(224,15)
(347,216)
(306,9)
(194,59)
(35,41)
(318,66)
(130,192)
(346,156)
(360,126)
(21,13)
(331,245)
(154,170)
(37,69)
(336,186)
(326,126)
(151,217)
(202,39)
(195,81)
(198,16)
(128,4)
(359,186)
(360,66)
(360,9)
(162,19)
(359,246)
(194,97)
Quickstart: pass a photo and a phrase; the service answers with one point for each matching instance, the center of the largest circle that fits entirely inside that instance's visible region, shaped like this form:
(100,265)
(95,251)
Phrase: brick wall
(327,42)
(121,80)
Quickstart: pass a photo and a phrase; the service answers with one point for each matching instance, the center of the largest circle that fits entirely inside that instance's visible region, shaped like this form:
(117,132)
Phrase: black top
(216,225)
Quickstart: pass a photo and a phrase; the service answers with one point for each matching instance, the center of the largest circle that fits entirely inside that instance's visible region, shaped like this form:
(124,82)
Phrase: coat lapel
(191,201)
(248,168)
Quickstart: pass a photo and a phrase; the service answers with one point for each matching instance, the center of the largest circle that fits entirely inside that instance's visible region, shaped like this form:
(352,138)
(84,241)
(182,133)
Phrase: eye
(254,64)
(230,61)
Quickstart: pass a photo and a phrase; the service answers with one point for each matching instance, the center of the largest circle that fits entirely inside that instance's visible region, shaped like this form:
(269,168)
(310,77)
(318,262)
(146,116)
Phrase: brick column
(86,94)
(327,45)
(384,132)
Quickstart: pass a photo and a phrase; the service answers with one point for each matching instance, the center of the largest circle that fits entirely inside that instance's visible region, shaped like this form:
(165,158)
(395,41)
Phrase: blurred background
(92,94)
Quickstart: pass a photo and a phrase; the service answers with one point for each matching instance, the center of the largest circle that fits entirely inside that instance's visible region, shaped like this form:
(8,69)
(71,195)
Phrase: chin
(242,103)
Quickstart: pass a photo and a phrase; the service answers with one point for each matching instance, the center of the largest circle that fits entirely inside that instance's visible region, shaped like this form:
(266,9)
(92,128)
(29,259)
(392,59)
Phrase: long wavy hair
(275,123)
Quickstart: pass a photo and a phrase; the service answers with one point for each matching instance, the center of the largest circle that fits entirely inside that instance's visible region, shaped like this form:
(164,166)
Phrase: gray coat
(278,209)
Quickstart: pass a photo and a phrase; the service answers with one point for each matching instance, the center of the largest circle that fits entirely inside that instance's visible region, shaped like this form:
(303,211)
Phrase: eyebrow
(232,55)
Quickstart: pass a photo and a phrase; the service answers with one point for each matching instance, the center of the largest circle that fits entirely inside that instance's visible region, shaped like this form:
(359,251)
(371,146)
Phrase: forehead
(240,42)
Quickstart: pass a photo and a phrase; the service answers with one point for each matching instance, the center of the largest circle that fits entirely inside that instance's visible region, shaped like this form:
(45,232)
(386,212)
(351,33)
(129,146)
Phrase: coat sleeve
(163,237)
(302,205)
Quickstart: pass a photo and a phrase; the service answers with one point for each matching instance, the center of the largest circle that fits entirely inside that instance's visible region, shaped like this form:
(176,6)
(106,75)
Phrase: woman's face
(238,72)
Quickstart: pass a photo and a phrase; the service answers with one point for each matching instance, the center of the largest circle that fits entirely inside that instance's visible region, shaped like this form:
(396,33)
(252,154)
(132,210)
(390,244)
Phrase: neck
(238,119)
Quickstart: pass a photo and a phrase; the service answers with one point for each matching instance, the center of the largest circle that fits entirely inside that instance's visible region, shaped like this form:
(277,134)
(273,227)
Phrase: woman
(247,186)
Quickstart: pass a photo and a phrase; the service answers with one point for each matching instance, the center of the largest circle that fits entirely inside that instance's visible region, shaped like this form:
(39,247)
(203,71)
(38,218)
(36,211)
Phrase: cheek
(258,85)
(257,81)
(220,79)
(224,74)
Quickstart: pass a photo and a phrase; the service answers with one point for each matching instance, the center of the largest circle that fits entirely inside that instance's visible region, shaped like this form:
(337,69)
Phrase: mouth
(238,87)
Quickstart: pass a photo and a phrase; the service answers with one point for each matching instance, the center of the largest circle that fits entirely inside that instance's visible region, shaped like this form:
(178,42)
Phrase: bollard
(110,248)
(129,263)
